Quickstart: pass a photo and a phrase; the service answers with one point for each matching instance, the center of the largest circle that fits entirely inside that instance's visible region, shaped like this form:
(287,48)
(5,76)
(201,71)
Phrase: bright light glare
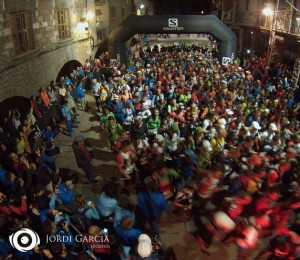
(201,12)
(267,11)
(89,15)
(248,51)
(297,18)
(142,6)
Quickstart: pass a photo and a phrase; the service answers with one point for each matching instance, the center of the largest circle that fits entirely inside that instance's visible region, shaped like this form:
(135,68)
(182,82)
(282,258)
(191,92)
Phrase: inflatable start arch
(177,24)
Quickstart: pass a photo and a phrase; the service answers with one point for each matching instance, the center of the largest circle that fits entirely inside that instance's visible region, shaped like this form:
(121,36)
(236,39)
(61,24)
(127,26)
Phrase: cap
(148,65)
(138,118)
(174,127)
(229,112)
(267,110)
(223,221)
(199,130)
(256,125)
(248,112)
(116,97)
(273,127)
(78,138)
(144,247)
(161,96)
(202,98)
(207,146)
(159,138)
(129,101)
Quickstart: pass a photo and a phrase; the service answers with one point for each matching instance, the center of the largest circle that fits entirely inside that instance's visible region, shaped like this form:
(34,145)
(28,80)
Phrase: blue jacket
(64,110)
(5,247)
(65,194)
(91,213)
(130,236)
(68,81)
(48,134)
(3,180)
(47,159)
(117,109)
(106,205)
(120,212)
(131,67)
(80,91)
(123,115)
(149,94)
(145,204)
(70,241)
(149,81)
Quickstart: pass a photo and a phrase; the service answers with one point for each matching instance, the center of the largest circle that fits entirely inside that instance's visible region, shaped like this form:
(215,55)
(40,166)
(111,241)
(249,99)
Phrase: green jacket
(184,98)
(104,119)
(112,133)
(153,123)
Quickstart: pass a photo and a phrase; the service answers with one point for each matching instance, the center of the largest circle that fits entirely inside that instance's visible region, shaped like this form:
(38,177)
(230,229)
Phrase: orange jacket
(45,98)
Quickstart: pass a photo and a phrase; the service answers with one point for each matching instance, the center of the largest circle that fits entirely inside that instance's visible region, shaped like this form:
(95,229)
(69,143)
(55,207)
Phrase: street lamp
(89,16)
(142,6)
(267,11)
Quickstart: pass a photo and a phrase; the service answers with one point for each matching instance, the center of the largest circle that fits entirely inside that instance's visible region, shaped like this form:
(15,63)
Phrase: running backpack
(81,219)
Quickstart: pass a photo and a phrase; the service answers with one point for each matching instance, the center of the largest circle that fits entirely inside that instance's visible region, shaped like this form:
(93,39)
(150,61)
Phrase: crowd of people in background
(215,144)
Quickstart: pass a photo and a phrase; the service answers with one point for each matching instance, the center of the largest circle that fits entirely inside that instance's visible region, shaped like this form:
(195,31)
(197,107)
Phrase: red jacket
(35,109)
(6,211)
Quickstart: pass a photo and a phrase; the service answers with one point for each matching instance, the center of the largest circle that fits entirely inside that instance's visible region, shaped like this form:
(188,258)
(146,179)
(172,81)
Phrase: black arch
(68,68)
(160,24)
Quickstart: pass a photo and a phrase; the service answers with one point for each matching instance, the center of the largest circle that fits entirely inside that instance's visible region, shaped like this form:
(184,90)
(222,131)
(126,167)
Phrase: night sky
(182,7)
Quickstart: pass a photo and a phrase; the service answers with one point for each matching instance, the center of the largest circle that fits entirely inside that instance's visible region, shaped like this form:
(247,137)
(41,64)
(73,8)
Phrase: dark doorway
(22,104)
(68,68)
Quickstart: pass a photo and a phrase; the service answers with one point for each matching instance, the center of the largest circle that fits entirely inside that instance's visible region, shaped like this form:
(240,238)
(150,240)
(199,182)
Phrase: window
(99,2)
(63,23)
(98,12)
(21,29)
(123,11)
(113,12)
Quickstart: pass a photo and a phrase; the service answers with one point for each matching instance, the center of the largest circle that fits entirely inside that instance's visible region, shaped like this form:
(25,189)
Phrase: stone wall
(25,73)
(27,77)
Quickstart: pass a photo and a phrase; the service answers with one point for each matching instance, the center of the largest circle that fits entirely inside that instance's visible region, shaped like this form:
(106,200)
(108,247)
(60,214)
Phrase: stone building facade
(38,37)
(253,28)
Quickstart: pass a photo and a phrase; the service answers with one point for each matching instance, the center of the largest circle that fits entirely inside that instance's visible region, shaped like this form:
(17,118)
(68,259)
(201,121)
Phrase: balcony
(286,21)
(100,2)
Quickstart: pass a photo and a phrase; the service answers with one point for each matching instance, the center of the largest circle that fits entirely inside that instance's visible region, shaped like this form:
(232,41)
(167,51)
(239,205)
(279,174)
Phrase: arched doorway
(68,68)
(179,24)
(22,104)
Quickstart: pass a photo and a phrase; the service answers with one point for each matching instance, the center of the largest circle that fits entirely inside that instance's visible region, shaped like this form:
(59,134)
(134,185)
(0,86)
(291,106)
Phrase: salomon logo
(226,61)
(173,22)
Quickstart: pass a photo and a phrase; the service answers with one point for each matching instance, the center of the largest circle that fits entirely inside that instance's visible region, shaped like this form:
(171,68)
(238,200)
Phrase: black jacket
(82,161)
(138,130)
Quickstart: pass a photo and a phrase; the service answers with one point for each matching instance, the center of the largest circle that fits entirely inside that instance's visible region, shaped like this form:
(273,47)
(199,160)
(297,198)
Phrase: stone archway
(21,103)
(68,68)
